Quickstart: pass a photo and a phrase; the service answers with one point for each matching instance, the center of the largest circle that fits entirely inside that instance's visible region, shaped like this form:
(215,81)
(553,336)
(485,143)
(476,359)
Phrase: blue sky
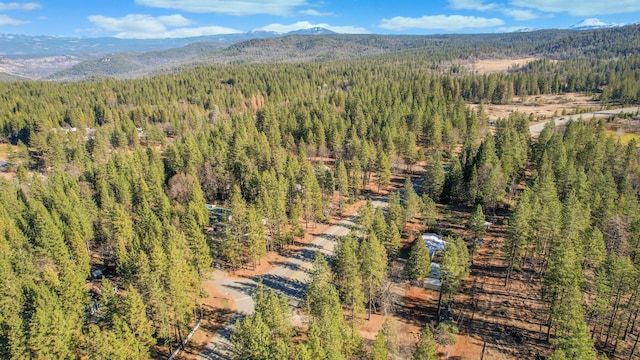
(183,18)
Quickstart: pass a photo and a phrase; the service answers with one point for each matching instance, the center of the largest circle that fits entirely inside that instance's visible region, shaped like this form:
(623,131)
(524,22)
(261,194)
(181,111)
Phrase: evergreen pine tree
(419,263)
(379,350)
(426,349)
(373,267)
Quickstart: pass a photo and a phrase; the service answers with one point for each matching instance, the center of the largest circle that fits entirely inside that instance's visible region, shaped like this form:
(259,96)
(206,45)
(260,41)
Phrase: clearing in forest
(542,106)
(489,66)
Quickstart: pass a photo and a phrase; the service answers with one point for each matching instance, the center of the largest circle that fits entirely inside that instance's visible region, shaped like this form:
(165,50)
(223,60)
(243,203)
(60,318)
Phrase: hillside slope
(553,44)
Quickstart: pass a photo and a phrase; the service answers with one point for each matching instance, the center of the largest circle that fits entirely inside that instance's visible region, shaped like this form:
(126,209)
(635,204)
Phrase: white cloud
(230,7)
(479,5)
(301,25)
(7,20)
(312,12)
(472,5)
(581,7)
(442,22)
(174,20)
(520,14)
(19,6)
(141,26)
(130,23)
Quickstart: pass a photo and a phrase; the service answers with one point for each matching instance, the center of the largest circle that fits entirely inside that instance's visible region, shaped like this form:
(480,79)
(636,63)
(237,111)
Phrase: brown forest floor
(505,321)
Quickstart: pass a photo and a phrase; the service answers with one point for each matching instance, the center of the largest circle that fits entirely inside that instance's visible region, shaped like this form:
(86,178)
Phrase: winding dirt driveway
(289,278)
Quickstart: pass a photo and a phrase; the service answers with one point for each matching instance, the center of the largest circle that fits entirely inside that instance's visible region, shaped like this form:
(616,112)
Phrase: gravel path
(288,278)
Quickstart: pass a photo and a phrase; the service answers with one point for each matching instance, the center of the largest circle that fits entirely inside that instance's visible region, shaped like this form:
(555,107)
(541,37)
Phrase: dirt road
(537,128)
(288,278)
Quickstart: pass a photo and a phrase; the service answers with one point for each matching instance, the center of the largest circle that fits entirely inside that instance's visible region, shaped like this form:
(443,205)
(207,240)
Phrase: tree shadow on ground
(292,289)
(218,319)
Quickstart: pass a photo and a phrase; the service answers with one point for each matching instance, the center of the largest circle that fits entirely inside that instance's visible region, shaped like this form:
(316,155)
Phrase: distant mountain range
(26,46)
(13,46)
(525,30)
(36,57)
(586,24)
(51,57)
(593,24)
(313,31)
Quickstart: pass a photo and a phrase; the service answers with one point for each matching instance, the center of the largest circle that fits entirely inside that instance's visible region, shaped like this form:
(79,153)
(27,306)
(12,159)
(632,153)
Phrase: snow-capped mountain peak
(312,31)
(526,29)
(592,23)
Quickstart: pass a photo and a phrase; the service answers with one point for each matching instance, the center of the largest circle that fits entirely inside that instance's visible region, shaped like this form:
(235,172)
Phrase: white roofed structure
(433,242)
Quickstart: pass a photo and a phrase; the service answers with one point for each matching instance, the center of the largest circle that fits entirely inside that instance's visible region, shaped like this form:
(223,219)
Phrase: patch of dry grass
(489,66)
(5,149)
(625,138)
(543,106)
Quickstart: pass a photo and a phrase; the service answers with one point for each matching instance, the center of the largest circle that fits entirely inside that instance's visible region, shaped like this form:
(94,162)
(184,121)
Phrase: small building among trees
(435,245)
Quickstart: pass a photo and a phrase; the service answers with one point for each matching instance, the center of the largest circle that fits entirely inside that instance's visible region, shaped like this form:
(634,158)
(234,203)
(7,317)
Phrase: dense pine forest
(105,240)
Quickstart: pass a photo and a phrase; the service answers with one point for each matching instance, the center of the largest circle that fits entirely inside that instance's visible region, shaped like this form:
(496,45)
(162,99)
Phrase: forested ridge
(456,48)
(113,175)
